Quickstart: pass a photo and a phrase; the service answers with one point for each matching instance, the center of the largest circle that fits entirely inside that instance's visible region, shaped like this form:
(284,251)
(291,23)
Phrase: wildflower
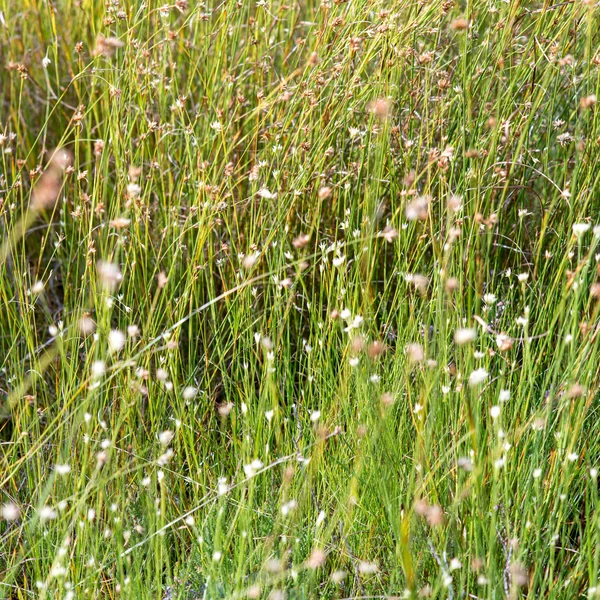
(266,194)
(288,507)
(324,192)
(222,487)
(523,277)
(418,209)
(47,188)
(381,108)
(588,101)
(251,469)
(315,416)
(580,228)
(116,340)
(10,511)
(388,234)
(107,46)
(165,437)
(316,559)
(189,392)
(504,395)
(460,24)
(495,412)
(464,336)
(47,513)
(109,275)
(338,576)
(367,568)
(537,473)
(301,241)
(98,369)
(489,299)
(477,377)
(62,469)
(415,353)
(503,342)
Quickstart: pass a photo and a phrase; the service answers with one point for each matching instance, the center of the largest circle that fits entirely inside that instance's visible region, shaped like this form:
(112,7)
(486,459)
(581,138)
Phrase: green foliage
(299,299)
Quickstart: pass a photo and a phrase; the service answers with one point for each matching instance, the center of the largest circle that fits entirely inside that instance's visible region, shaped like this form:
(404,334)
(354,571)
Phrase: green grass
(289,409)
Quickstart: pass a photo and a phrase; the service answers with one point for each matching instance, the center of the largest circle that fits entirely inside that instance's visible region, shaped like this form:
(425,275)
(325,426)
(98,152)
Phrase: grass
(299,299)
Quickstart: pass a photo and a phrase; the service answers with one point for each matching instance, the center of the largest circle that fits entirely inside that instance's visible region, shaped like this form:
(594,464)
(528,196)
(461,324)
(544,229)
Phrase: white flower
(133,190)
(465,335)
(266,194)
(47,513)
(116,340)
(189,392)
(98,369)
(495,412)
(580,228)
(537,473)
(216,126)
(315,416)
(62,469)
(489,299)
(165,437)
(222,487)
(504,395)
(109,275)
(522,277)
(572,457)
(10,511)
(46,62)
(478,376)
(288,507)
(255,465)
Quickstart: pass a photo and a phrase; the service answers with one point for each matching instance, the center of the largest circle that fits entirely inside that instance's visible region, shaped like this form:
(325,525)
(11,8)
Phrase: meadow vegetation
(299,299)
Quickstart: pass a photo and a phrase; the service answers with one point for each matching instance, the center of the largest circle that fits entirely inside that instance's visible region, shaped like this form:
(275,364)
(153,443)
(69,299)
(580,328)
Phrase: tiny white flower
(266,194)
(522,277)
(504,395)
(537,473)
(189,392)
(580,228)
(477,377)
(315,416)
(47,513)
(62,469)
(98,369)
(489,299)
(165,437)
(465,336)
(455,564)
(46,62)
(10,511)
(116,340)
(495,412)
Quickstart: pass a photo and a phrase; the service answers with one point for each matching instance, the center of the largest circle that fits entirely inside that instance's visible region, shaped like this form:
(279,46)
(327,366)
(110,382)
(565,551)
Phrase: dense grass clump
(299,299)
